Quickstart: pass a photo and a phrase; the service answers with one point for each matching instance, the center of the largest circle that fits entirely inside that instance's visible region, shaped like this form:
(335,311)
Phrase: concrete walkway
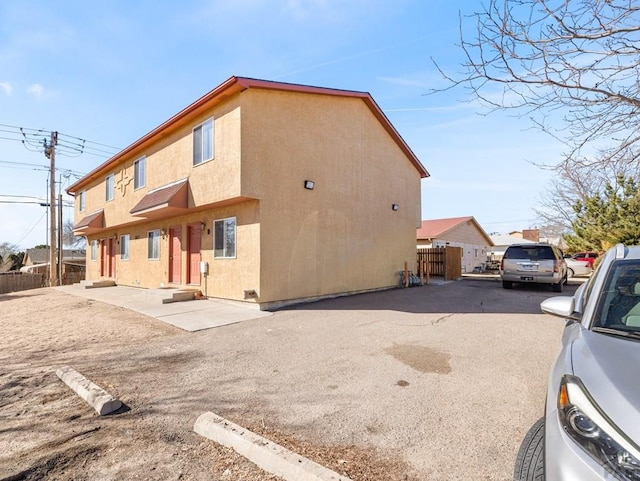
(191,316)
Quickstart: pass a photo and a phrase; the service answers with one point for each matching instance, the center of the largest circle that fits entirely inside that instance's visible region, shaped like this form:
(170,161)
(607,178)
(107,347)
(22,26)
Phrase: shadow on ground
(467,295)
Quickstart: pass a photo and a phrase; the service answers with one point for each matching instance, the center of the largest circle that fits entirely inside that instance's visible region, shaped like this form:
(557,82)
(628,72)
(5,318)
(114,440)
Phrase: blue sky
(110,71)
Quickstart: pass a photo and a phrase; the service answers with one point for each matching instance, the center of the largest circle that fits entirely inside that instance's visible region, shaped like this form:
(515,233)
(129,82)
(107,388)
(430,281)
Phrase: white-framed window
(139,174)
(124,247)
(224,232)
(81,204)
(109,183)
(203,142)
(94,250)
(153,244)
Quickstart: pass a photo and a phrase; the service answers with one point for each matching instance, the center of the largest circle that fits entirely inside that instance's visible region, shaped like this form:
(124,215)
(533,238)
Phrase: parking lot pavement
(439,382)
(448,377)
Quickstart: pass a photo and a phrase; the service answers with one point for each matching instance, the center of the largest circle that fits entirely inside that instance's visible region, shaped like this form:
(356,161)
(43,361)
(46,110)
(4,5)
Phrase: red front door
(107,257)
(175,254)
(112,257)
(193,267)
(103,257)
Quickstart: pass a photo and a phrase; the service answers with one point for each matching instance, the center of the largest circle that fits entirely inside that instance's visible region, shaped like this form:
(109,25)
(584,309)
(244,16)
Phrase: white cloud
(6,86)
(36,90)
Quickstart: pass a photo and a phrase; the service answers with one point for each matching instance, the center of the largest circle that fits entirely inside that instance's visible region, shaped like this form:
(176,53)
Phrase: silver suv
(533,263)
(591,427)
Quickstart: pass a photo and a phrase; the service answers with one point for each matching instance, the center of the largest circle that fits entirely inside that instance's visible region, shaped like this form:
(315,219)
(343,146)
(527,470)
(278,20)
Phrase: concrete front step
(88,284)
(181,295)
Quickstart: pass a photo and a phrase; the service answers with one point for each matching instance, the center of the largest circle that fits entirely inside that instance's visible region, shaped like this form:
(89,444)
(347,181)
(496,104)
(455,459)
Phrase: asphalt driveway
(446,378)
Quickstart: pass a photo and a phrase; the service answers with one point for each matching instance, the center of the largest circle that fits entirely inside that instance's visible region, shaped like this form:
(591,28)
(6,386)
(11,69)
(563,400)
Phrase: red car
(589,257)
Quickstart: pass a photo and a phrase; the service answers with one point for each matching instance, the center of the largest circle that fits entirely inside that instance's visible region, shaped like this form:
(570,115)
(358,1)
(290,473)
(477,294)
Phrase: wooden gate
(441,262)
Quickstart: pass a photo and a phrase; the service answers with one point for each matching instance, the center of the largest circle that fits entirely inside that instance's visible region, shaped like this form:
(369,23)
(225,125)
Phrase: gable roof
(231,87)
(437,228)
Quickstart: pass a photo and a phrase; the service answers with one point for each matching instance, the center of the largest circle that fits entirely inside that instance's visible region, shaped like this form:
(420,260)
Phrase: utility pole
(60,246)
(50,153)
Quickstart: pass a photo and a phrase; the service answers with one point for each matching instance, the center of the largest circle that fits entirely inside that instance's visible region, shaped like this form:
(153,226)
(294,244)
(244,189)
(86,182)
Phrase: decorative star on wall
(123,181)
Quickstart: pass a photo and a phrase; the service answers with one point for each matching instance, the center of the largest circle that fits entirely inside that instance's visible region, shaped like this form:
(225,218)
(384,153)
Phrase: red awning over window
(169,199)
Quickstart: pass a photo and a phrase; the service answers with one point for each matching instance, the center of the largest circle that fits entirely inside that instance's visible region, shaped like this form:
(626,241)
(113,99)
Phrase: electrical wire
(22,166)
(31,229)
(66,145)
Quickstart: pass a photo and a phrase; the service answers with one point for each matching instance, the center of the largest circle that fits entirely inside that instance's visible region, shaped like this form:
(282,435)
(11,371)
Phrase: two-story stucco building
(283,192)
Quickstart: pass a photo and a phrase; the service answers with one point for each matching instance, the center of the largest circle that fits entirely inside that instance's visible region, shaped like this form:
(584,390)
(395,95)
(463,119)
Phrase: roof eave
(225,90)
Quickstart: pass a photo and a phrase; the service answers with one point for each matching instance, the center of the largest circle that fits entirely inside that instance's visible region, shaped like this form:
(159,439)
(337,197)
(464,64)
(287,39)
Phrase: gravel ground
(432,383)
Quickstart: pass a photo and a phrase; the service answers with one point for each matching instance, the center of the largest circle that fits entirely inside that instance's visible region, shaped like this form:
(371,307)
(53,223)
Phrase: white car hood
(609,368)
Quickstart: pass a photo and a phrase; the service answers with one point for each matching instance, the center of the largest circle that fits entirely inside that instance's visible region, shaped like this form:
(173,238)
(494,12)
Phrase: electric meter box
(204,268)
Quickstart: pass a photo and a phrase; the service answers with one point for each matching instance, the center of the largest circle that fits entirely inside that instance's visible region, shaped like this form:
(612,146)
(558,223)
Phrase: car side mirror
(561,306)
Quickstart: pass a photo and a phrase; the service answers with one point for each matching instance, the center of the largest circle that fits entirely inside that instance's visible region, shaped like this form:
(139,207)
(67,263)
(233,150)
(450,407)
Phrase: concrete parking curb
(266,454)
(94,395)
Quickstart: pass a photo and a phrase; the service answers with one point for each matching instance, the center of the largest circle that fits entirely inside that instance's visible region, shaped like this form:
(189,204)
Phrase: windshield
(534,253)
(618,307)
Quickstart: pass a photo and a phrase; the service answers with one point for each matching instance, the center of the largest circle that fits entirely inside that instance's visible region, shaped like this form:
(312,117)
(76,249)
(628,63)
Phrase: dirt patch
(48,432)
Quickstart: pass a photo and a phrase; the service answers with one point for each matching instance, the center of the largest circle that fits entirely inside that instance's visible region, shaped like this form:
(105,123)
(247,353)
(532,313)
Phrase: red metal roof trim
(237,84)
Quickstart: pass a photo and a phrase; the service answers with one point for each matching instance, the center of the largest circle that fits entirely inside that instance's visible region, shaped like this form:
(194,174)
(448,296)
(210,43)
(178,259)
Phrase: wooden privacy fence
(69,278)
(20,281)
(440,262)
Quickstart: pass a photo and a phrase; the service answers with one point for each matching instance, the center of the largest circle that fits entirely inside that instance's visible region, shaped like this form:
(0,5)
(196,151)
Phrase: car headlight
(584,421)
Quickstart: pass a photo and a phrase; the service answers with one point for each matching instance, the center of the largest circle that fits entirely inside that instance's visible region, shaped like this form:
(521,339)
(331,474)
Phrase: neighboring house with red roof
(464,232)
(272,187)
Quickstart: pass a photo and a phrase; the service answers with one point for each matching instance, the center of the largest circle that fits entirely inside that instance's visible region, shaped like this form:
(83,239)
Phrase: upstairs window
(81,205)
(203,142)
(139,173)
(109,187)
(225,238)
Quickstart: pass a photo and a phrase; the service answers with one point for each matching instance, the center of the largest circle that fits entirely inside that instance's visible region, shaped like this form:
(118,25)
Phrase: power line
(69,145)
(21,165)
(31,230)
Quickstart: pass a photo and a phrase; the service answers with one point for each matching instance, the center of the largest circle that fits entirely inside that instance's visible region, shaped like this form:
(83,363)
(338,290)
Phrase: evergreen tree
(608,218)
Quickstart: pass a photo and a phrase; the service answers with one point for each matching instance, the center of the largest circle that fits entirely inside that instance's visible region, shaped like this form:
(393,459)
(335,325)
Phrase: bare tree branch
(576,58)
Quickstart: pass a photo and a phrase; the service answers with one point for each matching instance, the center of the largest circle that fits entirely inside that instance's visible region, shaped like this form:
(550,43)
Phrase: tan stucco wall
(292,243)
(342,236)
(170,160)
(228,278)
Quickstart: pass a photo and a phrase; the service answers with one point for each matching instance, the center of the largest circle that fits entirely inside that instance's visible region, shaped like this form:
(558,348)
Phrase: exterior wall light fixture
(309,184)
(395,206)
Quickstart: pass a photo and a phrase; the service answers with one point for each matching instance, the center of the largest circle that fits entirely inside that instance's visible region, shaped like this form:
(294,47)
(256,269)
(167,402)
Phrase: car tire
(530,459)
(507,284)
(570,272)
(559,286)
